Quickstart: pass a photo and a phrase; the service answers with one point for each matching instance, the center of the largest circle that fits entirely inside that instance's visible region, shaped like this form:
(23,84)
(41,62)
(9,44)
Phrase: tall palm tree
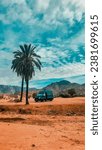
(24,63)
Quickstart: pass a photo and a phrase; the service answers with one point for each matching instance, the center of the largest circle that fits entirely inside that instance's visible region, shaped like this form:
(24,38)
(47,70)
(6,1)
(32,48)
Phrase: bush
(33,95)
(64,95)
(72,92)
(24,111)
(68,93)
(1,96)
(29,96)
(16,100)
(13,96)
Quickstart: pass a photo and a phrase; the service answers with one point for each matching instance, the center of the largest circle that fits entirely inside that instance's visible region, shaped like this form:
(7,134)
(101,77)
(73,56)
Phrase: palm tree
(15,66)
(24,63)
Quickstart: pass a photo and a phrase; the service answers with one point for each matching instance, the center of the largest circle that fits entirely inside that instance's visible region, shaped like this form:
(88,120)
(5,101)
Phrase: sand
(56,125)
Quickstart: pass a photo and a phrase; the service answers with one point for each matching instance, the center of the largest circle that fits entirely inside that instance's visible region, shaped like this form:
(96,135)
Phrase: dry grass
(67,110)
(13,119)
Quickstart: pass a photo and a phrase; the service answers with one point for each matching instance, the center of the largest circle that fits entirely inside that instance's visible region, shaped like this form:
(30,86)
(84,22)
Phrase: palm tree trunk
(22,89)
(27,85)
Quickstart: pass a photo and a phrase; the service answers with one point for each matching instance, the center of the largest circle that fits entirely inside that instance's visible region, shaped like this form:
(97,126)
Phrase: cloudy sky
(56,27)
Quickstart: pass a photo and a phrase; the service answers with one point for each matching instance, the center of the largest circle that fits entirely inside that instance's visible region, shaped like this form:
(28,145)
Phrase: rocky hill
(63,88)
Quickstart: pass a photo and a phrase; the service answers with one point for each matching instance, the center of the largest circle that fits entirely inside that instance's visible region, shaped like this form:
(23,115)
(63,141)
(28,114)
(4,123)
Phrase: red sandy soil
(56,125)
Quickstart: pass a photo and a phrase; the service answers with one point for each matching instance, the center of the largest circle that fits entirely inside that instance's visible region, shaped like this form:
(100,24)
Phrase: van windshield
(41,94)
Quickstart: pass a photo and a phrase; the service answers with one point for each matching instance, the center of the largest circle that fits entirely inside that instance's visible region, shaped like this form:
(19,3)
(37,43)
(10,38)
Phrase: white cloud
(47,52)
(42,5)
(68,14)
(7,77)
(51,56)
(9,2)
(16,10)
(71,43)
(54,11)
(70,10)
(79,39)
(10,41)
(5,55)
(60,72)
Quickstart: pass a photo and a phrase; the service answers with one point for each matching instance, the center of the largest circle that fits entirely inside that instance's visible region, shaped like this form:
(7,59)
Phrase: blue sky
(56,27)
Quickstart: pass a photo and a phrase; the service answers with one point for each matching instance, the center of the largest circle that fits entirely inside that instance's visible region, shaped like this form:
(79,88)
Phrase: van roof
(49,91)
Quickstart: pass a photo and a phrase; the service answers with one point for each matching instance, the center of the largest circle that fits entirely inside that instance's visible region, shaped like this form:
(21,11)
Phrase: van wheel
(36,100)
(51,99)
(41,100)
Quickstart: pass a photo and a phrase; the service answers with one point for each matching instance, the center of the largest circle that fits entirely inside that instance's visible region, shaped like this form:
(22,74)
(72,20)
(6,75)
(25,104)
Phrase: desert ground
(56,125)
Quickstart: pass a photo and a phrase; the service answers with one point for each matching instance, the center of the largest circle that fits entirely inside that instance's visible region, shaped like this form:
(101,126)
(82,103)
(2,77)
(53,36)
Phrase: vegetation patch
(24,111)
(15,119)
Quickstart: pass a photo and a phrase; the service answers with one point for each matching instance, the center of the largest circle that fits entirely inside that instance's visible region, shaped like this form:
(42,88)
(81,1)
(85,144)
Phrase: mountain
(12,89)
(9,89)
(63,87)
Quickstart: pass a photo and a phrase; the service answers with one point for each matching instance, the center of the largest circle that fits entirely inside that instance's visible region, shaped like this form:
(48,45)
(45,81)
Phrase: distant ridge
(11,89)
(58,88)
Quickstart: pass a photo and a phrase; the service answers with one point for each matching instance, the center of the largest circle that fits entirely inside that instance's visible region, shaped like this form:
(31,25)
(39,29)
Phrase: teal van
(44,95)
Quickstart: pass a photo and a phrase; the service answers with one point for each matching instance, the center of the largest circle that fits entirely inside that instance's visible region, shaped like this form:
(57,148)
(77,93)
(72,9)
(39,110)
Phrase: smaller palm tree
(24,63)
(15,66)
